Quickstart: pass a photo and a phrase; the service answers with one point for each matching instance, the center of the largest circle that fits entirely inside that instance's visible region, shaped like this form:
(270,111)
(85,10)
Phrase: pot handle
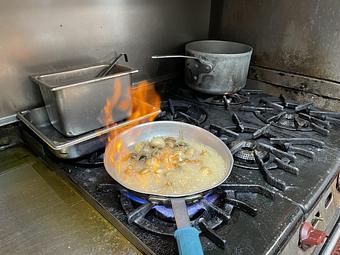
(188,241)
(208,65)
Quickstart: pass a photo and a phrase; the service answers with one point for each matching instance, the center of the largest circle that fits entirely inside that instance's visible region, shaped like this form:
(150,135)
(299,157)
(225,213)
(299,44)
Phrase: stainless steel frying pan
(187,237)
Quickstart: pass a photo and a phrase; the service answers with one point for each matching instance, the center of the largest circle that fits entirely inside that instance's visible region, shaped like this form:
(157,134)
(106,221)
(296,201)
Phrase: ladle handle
(188,241)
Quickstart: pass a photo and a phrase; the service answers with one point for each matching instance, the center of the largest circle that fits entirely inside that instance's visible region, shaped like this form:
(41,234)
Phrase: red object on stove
(336,250)
(310,236)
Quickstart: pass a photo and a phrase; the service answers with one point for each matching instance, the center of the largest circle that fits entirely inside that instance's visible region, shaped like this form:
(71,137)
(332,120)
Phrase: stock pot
(215,67)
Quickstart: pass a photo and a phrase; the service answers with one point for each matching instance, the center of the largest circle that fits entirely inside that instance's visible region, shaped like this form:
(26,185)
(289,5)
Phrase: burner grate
(213,209)
(247,151)
(295,117)
(166,211)
(94,159)
(182,111)
(258,149)
(226,100)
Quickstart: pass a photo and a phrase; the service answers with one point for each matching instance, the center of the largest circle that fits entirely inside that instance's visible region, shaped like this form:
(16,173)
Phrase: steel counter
(41,214)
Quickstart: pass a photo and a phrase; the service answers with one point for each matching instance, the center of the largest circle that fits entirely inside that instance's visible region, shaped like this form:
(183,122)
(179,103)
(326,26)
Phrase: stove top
(286,155)
(254,214)
(297,163)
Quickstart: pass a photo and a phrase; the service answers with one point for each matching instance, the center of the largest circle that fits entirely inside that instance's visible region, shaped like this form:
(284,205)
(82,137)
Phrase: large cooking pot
(215,67)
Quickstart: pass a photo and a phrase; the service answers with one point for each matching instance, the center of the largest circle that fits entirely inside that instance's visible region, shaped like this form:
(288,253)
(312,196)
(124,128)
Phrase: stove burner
(226,100)
(242,141)
(294,117)
(258,149)
(167,212)
(182,111)
(223,100)
(206,212)
(288,120)
(246,153)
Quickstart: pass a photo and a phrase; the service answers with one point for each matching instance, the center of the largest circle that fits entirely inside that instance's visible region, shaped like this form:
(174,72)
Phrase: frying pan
(187,237)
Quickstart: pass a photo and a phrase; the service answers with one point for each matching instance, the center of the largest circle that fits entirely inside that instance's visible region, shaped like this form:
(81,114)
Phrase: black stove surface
(276,217)
(297,174)
(314,174)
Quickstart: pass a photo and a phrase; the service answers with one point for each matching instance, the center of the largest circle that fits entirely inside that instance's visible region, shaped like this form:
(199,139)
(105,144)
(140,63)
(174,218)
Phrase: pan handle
(188,241)
(208,65)
(187,237)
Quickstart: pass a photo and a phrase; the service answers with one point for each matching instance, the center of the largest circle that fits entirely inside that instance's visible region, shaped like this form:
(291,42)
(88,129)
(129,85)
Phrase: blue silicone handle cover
(188,241)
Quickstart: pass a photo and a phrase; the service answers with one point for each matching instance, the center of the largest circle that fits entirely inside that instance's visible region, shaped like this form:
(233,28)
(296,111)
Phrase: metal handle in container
(106,70)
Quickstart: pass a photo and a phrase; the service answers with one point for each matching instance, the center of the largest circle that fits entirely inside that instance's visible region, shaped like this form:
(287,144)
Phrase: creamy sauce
(178,167)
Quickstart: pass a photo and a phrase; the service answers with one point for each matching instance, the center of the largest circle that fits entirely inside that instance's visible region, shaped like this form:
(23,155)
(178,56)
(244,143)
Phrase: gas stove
(284,181)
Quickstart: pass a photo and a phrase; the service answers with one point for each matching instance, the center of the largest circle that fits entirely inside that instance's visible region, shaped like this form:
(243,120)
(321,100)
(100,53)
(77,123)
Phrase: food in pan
(169,165)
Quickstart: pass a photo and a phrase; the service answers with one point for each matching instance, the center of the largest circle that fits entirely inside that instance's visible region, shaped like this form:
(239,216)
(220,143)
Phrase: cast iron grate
(206,211)
(94,159)
(183,111)
(258,149)
(227,101)
(292,116)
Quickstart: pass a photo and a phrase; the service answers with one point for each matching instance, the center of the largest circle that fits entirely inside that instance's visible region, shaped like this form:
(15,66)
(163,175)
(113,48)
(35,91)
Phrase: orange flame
(142,98)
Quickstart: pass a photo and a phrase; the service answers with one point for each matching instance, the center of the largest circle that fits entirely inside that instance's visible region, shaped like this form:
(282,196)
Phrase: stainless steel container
(215,67)
(74,99)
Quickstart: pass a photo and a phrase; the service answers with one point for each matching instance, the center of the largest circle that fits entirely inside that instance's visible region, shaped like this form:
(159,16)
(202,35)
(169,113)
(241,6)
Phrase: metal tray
(74,147)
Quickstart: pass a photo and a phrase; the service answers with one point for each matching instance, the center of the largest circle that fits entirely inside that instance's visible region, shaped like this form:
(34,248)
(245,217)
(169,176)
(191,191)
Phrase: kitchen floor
(42,214)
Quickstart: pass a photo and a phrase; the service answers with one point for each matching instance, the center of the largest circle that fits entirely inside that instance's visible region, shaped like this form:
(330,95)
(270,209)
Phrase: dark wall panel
(296,36)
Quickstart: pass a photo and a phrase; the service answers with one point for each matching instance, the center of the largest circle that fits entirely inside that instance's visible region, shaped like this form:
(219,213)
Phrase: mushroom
(170,142)
(156,152)
(147,150)
(157,142)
